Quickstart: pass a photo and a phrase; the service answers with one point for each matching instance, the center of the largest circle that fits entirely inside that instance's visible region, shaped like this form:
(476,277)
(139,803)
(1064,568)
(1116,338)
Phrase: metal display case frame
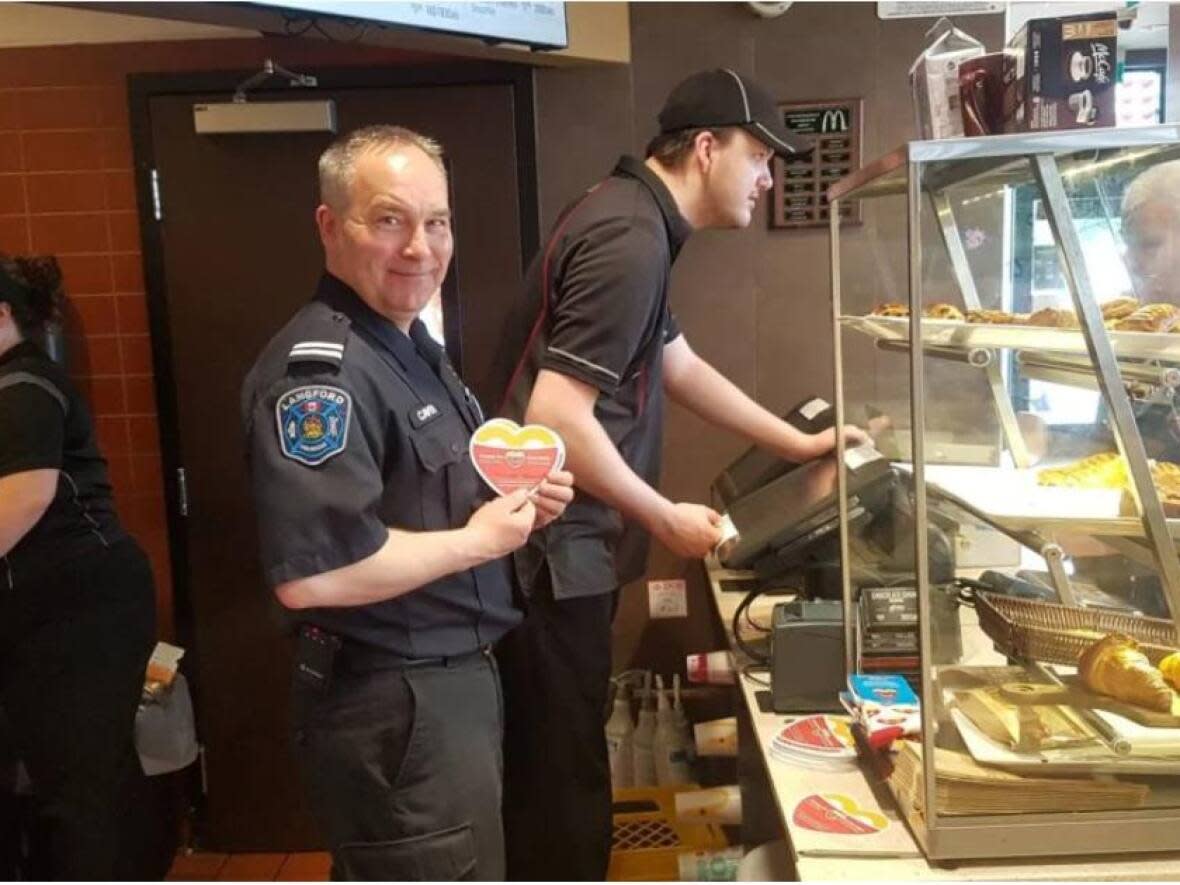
(923,172)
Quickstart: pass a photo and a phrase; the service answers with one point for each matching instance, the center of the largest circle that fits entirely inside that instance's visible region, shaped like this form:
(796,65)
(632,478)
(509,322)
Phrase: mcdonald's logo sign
(834,120)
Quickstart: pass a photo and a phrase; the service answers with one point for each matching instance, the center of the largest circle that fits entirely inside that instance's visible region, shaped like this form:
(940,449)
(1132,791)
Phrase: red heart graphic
(818,733)
(510,457)
(831,813)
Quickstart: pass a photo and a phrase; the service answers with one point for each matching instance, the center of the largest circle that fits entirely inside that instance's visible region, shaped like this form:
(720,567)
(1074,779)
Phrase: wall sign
(801,183)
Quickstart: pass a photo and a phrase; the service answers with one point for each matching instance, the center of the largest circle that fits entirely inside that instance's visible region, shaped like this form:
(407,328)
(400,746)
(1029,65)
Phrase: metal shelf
(1002,159)
(1164,347)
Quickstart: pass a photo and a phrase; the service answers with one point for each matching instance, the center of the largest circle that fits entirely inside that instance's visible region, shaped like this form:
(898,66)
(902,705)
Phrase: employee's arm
(567,405)
(409,560)
(694,384)
(24,498)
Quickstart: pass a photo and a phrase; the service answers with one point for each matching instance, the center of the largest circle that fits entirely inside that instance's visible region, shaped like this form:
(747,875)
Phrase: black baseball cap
(721,97)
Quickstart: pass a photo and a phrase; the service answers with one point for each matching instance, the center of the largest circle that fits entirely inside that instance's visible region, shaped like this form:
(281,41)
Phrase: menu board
(801,182)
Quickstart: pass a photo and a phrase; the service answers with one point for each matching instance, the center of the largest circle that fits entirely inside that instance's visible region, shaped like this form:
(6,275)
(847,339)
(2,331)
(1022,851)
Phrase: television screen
(534,24)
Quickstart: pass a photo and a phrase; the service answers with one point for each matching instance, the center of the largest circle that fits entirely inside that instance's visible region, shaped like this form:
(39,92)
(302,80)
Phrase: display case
(1028,514)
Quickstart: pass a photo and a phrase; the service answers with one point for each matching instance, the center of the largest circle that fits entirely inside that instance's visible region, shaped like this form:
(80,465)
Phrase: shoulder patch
(313,423)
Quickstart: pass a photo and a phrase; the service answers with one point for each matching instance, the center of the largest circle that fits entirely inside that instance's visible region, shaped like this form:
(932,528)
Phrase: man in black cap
(602,349)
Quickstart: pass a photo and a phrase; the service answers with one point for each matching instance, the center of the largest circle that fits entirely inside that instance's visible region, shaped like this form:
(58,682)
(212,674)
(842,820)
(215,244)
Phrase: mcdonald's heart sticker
(837,813)
(511,457)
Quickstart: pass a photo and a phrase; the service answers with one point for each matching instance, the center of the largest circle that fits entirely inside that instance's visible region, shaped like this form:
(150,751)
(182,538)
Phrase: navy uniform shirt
(597,298)
(353,428)
(45,425)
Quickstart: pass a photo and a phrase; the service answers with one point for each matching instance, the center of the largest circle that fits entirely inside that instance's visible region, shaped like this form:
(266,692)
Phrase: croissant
(890,309)
(986,315)
(1114,666)
(1170,667)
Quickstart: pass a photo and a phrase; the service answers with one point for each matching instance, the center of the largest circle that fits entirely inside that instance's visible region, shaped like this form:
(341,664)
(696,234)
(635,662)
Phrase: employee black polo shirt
(353,428)
(597,302)
(45,425)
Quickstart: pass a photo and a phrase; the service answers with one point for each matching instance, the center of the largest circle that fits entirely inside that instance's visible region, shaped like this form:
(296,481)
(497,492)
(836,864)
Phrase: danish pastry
(942,312)
(890,309)
(993,317)
(1054,317)
(1117,308)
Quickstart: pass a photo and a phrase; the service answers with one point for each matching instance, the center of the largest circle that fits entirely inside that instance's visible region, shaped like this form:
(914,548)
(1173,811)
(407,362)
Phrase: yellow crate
(647,836)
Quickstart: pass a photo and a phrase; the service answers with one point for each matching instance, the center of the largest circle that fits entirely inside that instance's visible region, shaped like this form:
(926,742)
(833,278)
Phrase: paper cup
(717,805)
(718,737)
(710,866)
(714,667)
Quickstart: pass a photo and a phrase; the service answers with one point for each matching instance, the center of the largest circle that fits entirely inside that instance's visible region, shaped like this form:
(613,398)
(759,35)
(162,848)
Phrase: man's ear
(704,150)
(327,222)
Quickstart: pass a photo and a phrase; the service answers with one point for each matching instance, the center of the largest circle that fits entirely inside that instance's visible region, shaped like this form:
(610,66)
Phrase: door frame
(141,89)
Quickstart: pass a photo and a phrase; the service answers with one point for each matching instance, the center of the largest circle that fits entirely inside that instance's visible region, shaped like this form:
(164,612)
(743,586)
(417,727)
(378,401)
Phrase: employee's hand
(551,497)
(825,441)
(689,530)
(502,525)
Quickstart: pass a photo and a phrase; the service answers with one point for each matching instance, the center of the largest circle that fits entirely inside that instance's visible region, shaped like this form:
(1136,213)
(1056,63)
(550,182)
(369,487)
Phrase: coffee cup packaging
(981,94)
(934,80)
(1059,73)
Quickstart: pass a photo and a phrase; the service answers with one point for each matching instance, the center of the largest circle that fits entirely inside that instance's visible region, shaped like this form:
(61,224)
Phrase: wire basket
(1057,634)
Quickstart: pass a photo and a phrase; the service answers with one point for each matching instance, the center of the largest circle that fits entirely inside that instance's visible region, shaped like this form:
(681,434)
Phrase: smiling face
(392,243)
(736,174)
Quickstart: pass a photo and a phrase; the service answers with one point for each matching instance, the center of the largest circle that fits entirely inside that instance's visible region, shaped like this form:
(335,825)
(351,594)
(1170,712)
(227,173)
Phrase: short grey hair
(337,164)
(1159,184)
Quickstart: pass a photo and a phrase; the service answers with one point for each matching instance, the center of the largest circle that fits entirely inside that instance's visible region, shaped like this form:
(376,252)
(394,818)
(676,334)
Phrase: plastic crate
(647,838)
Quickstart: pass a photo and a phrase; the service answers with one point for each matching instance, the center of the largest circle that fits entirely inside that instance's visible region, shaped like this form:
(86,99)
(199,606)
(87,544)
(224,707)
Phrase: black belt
(360,657)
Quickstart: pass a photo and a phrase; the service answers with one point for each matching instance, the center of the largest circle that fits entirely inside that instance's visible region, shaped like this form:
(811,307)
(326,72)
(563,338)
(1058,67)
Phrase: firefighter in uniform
(375,534)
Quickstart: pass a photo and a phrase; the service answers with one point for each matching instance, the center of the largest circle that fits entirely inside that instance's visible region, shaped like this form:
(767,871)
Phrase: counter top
(889,851)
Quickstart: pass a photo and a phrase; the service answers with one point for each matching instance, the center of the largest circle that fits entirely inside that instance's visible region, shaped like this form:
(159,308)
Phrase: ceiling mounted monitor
(537,25)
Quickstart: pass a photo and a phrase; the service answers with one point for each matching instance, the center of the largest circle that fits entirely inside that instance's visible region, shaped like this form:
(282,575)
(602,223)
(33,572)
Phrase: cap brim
(779,140)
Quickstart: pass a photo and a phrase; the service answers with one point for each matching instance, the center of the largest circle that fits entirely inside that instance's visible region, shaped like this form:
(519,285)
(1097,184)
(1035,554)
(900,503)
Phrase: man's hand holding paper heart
(509,457)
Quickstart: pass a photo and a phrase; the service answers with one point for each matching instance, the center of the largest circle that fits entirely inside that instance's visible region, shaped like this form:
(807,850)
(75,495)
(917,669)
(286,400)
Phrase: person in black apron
(77,598)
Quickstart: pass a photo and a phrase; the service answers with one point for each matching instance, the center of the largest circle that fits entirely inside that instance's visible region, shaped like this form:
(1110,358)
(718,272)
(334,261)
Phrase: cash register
(785,530)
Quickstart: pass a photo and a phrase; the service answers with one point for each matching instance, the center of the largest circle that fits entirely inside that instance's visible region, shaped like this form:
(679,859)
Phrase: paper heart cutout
(822,734)
(511,457)
(837,813)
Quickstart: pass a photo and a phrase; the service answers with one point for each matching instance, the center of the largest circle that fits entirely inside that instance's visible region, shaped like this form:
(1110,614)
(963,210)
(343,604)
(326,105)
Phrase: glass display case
(1032,505)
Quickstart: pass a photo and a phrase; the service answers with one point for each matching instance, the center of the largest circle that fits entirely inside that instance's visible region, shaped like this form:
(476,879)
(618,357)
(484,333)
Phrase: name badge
(423,415)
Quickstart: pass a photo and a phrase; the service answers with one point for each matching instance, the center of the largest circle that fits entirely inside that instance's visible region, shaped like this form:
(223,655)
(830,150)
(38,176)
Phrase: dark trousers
(403,768)
(73,651)
(557,795)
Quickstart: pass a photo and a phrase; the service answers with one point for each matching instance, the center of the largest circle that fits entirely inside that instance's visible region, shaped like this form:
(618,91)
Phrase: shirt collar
(339,296)
(679,229)
(24,348)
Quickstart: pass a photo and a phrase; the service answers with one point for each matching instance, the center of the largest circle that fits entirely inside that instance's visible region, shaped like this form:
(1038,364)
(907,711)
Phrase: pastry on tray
(942,312)
(991,317)
(1170,668)
(1117,308)
(1150,318)
(890,309)
(1106,470)
(1053,317)
(1115,666)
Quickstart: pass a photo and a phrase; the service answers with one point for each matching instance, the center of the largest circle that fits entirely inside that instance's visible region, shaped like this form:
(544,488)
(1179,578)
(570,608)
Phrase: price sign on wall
(801,182)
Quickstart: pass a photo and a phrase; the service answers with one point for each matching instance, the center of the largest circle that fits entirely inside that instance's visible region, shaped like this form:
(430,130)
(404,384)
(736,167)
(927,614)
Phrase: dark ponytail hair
(33,288)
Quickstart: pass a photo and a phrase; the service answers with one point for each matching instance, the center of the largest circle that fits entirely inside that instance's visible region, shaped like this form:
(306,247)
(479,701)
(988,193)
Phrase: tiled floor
(201,867)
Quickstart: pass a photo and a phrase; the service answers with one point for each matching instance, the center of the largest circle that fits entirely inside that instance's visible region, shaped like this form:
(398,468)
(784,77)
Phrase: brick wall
(67,189)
